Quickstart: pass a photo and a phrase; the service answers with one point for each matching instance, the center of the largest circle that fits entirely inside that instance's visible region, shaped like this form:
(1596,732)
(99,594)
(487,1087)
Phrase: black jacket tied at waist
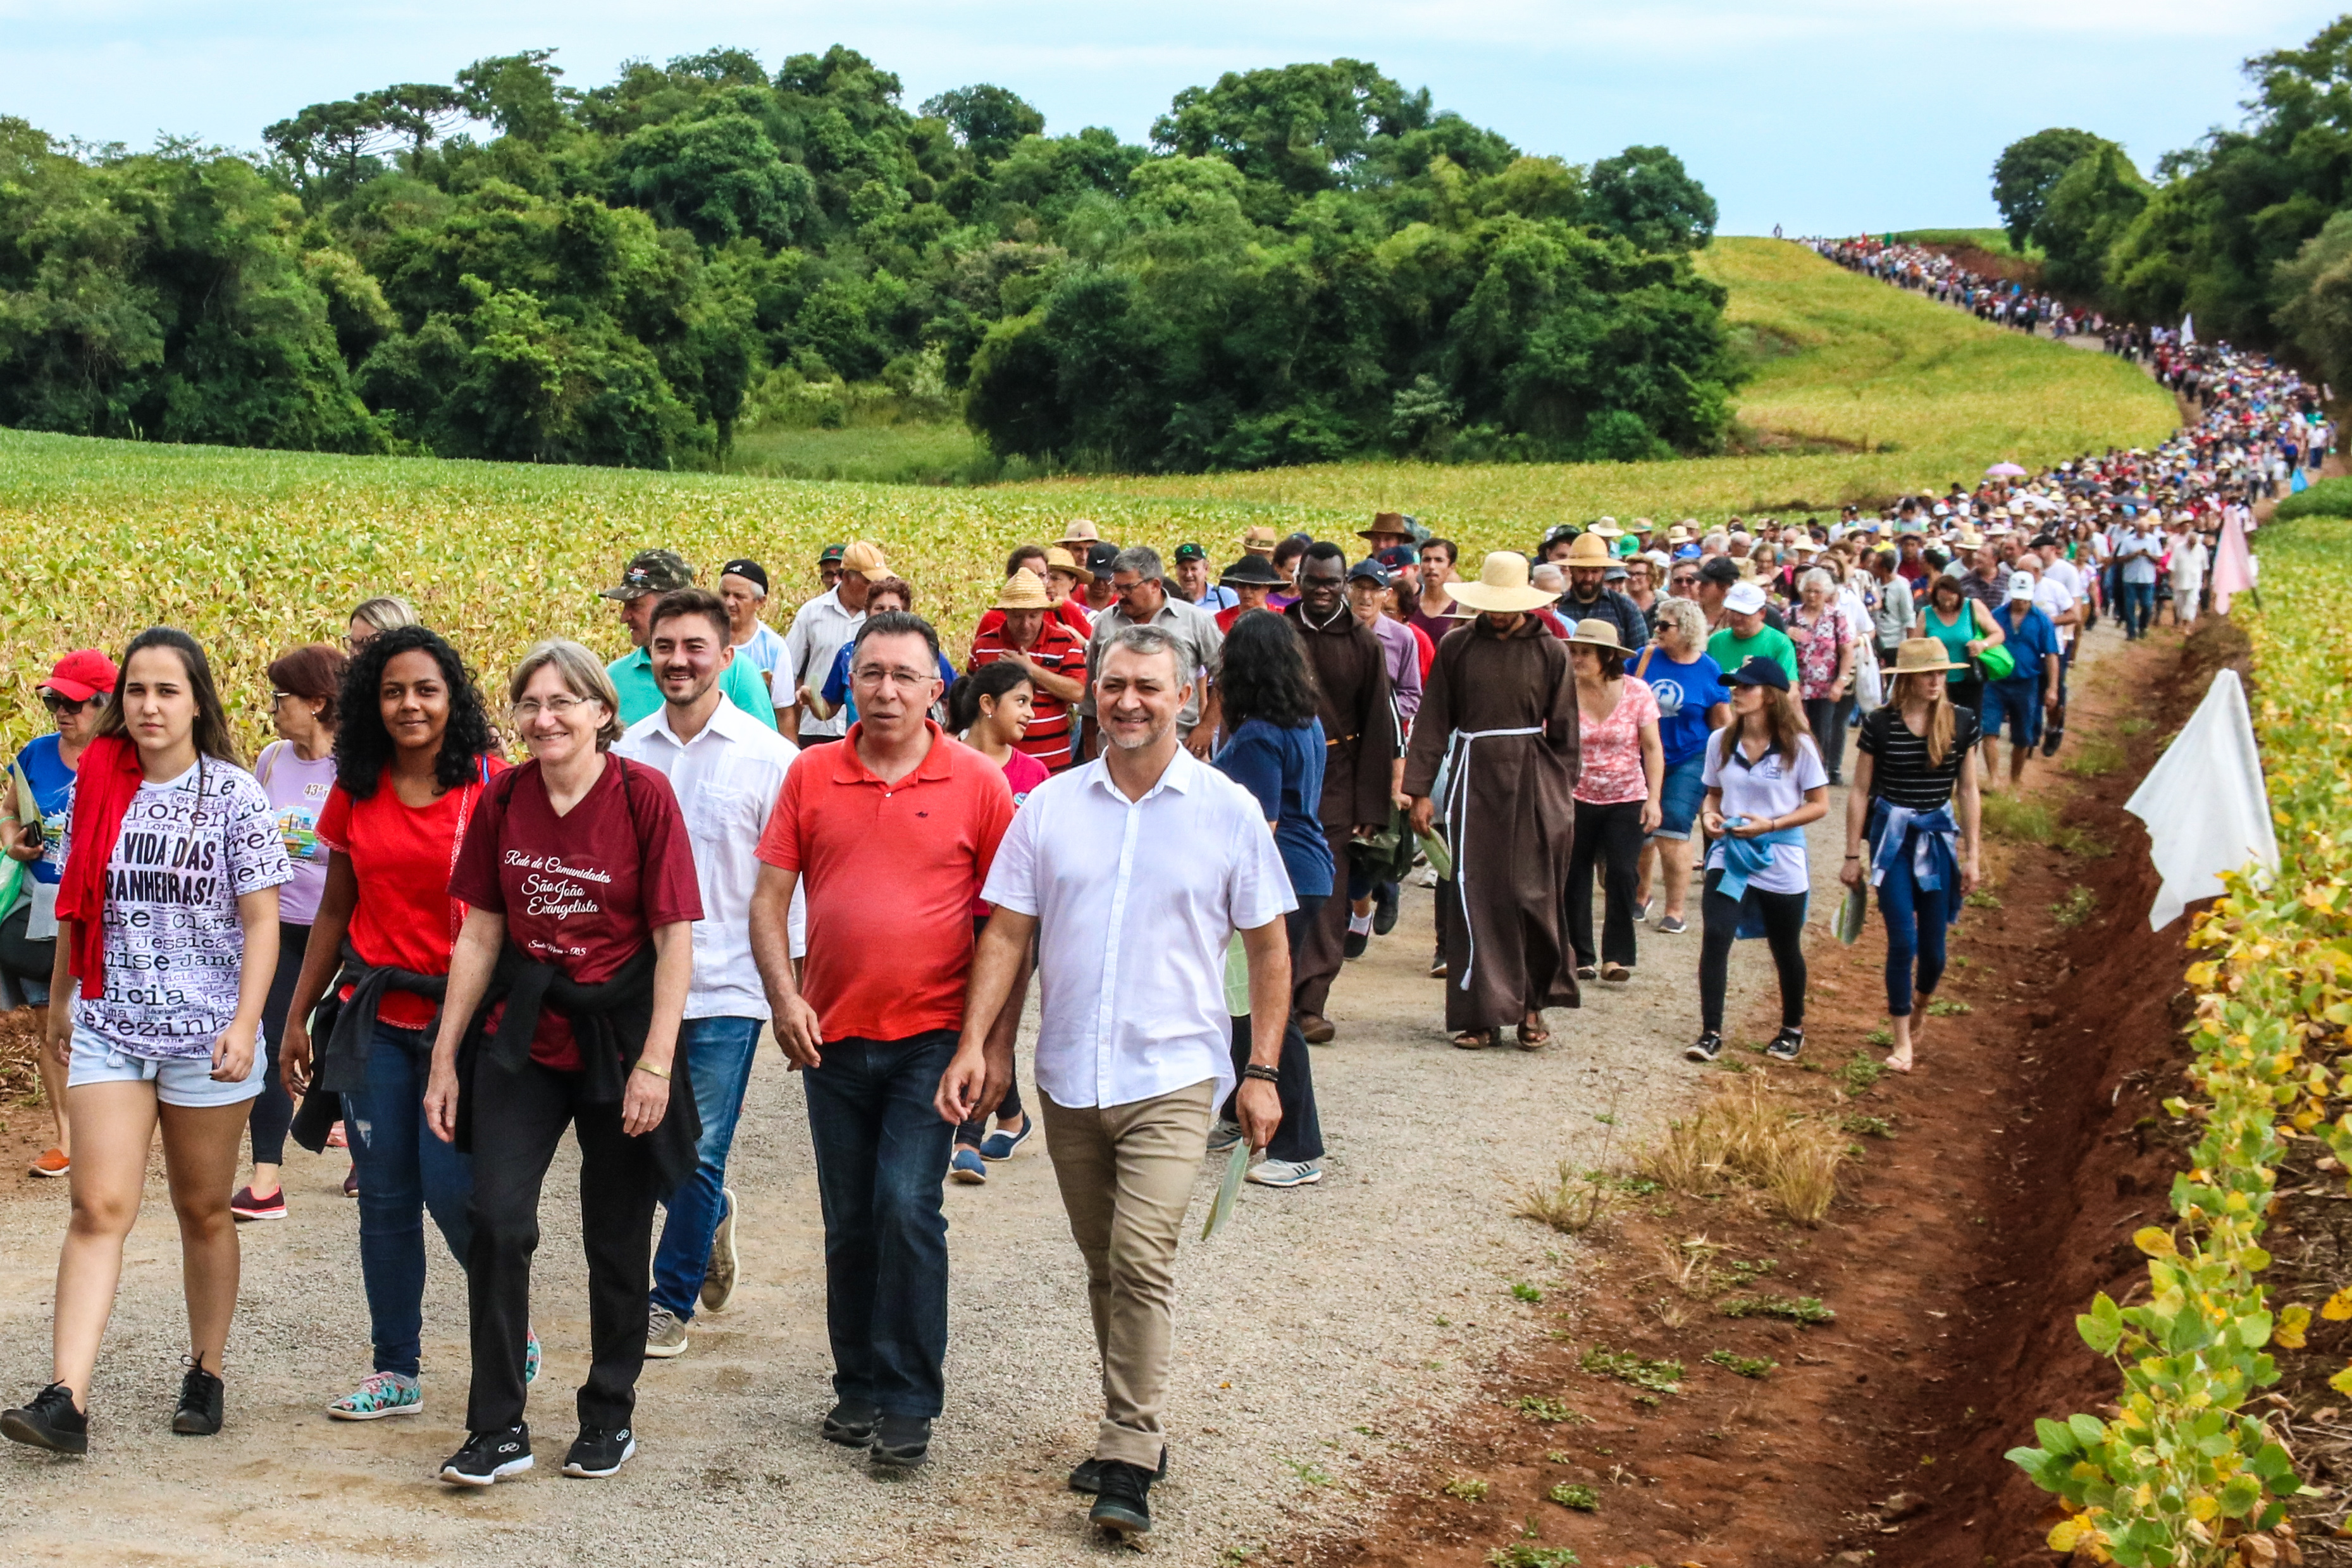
(343,1031)
(610,1020)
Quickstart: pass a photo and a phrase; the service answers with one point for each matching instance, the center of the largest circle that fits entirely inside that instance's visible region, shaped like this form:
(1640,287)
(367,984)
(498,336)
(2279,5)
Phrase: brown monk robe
(1510,814)
(1359,752)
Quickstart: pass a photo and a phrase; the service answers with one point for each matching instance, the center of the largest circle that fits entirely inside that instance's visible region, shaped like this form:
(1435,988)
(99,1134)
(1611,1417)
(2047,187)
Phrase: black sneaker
(1385,908)
(1353,947)
(901,1442)
(1786,1044)
(199,1415)
(489,1456)
(1706,1049)
(48,1420)
(1087,1477)
(851,1424)
(1123,1501)
(596,1453)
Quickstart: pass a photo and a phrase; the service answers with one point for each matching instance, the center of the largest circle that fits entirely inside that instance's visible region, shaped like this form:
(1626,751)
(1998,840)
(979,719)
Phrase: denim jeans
(721,1049)
(1916,920)
(880,1149)
(405,1171)
(2139,607)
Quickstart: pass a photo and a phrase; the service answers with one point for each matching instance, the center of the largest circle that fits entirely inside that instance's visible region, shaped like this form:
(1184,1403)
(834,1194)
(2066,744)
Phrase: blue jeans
(1915,918)
(2138,608)
(405,1171)
(880,1150)
(721,1049)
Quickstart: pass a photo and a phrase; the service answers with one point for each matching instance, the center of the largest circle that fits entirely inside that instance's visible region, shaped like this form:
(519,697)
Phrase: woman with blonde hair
(1914,756)
(370,618)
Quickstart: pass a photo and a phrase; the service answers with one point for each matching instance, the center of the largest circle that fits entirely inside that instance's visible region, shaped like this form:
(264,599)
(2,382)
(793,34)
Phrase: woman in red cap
(36,796)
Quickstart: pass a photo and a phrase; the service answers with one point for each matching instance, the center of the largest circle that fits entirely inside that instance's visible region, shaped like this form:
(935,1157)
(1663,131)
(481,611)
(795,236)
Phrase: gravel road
(1320,1331)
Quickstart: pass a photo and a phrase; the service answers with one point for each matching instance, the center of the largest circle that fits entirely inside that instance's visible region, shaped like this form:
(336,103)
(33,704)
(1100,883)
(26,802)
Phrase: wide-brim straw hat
(1023,590)
(1501,588)
(1921,656)
(1062,561)
(1589,547)
(1259,539)
(1082,531)
(1595,632)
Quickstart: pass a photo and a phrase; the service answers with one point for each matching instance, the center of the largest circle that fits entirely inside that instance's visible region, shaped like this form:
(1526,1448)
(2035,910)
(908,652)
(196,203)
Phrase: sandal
(1533,1039)
(1616,974)
(1473,1039)
(1894,1066)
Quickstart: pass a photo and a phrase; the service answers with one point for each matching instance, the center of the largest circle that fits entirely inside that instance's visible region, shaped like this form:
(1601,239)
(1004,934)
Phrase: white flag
(2189,329)
(2204,803)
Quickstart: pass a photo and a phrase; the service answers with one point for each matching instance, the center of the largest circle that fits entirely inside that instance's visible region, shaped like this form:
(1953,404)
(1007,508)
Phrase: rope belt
(1457,763)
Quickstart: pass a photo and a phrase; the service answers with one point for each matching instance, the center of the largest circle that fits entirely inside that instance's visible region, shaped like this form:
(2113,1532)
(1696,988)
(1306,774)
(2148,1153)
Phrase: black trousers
(273,1111)
(1300,1136)
(1784,933)
(1611,838)
(1826,718)
(519,1120)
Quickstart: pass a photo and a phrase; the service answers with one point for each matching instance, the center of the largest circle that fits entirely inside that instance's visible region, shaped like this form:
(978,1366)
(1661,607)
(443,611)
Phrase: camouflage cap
(652,572)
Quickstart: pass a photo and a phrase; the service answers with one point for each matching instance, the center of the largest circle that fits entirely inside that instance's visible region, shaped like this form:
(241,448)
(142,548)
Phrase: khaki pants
(1127,1175)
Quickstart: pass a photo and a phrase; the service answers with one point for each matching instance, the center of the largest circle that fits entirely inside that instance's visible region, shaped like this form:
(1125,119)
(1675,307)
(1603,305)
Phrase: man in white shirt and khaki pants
(1134,871)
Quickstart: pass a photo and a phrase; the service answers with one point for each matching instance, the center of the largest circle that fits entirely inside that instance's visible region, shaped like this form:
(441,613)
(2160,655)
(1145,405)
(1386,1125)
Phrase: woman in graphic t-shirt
(413,757)
(566,988)
(296,770)
(167,928)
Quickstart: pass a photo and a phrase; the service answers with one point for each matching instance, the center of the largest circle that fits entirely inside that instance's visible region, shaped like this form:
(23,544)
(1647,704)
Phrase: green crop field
(254,551)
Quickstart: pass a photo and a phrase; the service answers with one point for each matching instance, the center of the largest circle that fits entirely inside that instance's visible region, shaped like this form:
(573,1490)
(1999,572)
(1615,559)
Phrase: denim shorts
(184,1081)
(2019,703)
(1679,799)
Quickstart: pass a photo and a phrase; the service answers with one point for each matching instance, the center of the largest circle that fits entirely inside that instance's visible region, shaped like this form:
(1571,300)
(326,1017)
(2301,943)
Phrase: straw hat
(1062,561)
(1259,539)
(1590,549)
(1921,656)
(1023,591)
(1970,538)
(1607,529)
(1081,531)
(1501,588)
(1595,632)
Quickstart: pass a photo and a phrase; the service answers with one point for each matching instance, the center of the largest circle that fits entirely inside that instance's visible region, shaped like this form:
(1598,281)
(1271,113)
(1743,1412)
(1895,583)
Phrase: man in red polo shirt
(1055,658)
(873,1016)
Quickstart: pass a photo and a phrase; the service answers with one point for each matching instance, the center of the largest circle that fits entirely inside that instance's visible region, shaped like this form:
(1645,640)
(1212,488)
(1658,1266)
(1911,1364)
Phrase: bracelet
(660,1072)
(1262,1073)
(1853,857)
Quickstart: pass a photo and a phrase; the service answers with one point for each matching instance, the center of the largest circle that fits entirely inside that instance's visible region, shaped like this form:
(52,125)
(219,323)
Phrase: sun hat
(1386,526)
(1743,599)
(81,675)
(1081,531)
(1501,587)
(1259,539)
(1595,632)
(1921,656)
(1023,590)
(1607,529)
(864,558)
(652,572)
(1760,670)
(1590,549)
(1254,571)
(2021,585)
(1062,561)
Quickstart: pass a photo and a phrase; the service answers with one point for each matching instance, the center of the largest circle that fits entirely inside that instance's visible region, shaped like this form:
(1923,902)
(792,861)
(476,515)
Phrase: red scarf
(104,785)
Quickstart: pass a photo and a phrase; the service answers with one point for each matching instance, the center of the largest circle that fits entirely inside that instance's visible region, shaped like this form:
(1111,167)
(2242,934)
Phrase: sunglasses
(62,705)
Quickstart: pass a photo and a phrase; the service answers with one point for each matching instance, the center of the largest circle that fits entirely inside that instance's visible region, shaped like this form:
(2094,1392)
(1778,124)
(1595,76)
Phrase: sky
(1822,116)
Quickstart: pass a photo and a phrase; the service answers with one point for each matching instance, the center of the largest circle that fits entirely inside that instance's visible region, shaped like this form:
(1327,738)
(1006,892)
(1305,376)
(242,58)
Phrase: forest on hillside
(1307,263)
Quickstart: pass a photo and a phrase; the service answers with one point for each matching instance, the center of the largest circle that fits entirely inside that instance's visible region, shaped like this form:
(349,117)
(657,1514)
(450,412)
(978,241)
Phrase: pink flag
(2233,567)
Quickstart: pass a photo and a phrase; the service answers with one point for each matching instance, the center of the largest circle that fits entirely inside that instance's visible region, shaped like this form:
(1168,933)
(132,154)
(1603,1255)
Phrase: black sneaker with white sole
(487,1458)
(48,1420)
(1786,1044)
(1088,1476)
(597,1453)
(201,1399)
(1708,1046)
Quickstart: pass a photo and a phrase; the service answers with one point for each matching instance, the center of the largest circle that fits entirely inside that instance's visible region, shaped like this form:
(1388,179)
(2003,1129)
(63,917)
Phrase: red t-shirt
(1427,650)
(583,890)
(1057,649)
(404,857)
(1022,773)
(891,871)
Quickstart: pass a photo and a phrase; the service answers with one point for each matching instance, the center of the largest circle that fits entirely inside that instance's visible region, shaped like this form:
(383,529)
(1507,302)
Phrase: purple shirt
(1403,651)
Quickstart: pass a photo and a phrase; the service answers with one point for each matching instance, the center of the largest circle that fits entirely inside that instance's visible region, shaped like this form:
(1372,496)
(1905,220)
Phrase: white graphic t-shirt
(173,946)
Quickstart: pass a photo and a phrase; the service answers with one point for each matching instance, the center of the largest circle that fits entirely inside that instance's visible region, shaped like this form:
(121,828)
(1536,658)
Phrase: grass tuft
(1658,1377)
(1744,1365)
(2076,908)
(1742,1135)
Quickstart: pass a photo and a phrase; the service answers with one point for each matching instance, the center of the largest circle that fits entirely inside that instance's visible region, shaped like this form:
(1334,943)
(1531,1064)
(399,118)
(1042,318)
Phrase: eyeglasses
(558,707)
(277,697)
(872,677)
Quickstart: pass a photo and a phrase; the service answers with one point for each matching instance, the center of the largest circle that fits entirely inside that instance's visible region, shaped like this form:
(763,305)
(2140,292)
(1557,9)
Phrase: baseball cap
(1185,552)
(1690,553)
(81,675)
(1370,571)
(864,558)
(830,554)
(1099,555)
(652,572)
(1744,598)
(748,570)
(1396,556)
(1760,670)
(2021,585)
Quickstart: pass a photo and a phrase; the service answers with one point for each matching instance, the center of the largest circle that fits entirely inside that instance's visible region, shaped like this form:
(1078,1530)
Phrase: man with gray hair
(1137,575)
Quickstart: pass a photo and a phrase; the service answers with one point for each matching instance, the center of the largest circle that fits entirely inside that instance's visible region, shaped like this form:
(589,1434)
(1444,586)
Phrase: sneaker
(1285,1172)
(1087,1477)
(383,1394)
(201,1398)
(1587,972)
(901,1442)
(532,1355)
(488,1457)
(351,1183)
(52,1162)
(851,1424)
(1673,925)
(1224,1137)
(596,1453)
(664,1335)
(967,1167)
(1000,1144)
(1786,1044)
(1708,1046)
(48,1420)
(1642,912)
(337,1138)
(1353,947)
(247,1207)
(1385,908)
(1122,1500)
(721,1274)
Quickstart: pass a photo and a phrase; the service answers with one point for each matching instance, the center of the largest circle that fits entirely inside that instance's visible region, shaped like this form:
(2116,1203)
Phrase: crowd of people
(440,925)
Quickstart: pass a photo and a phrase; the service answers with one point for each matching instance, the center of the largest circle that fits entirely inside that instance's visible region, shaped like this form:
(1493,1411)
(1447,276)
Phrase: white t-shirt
(1769,786)
(2053,599)
(173,945)
(764,651)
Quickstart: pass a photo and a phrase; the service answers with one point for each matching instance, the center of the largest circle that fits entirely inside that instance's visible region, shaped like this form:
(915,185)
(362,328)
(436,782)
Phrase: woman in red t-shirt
(413,753)
(576,951)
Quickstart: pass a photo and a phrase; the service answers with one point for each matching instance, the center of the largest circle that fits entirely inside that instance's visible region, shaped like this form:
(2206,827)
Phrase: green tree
(2086,211)
(988,121)
(1303,128)
(2027,170)
(1645,195)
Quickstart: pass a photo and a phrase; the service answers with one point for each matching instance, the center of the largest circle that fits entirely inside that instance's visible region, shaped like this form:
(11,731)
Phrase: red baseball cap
(81,675)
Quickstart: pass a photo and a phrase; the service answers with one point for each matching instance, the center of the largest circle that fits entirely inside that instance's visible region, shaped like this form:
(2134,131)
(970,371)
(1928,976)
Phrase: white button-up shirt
(819,629)
(1135,902)
(726,780)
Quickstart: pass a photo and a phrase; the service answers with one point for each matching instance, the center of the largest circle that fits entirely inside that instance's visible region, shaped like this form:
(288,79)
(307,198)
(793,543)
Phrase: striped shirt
(1900,772)
(1057,650)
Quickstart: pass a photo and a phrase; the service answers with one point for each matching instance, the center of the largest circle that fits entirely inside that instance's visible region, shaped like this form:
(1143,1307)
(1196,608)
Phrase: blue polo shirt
(2030,639)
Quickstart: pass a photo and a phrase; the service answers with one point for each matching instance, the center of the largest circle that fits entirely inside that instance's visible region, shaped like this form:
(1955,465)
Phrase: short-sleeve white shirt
(1135,902)
(819,629)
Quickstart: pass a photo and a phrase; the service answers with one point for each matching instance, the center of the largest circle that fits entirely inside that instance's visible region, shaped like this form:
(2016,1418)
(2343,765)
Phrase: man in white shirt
(1133,871)
(819,629)
(726,768)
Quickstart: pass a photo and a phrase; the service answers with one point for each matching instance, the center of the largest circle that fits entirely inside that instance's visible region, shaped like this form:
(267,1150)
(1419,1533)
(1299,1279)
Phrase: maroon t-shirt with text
(582,891)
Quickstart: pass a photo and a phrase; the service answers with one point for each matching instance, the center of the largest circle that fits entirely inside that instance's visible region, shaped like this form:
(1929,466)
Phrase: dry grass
(20,1071)
(1570,1203)
(1744,1135)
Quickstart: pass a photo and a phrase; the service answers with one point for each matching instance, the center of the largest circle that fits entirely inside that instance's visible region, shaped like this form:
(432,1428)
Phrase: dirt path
(1324,1330)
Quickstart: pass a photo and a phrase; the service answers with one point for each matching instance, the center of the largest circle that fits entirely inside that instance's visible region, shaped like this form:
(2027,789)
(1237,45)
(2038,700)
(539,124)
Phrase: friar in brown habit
(1499,719)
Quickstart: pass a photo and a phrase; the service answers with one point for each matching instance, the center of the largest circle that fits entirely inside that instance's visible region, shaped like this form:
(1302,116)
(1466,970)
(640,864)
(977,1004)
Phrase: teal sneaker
(384,1393)
(530,1358)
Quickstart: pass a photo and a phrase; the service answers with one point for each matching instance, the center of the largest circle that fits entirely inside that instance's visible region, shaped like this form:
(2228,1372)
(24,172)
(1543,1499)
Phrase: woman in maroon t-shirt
(577,864)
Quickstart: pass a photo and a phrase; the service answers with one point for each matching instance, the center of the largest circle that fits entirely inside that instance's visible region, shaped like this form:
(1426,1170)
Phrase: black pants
(1826,718)
(1300,1136)
(1784,932)
(517,1122)
(1610,837)
(27,963)
(273,1112)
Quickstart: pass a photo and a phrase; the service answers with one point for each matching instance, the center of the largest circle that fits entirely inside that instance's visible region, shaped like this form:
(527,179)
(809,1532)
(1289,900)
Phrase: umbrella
(2006,470)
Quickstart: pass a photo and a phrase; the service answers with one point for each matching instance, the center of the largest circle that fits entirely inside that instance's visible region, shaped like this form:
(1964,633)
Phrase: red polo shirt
(891,872)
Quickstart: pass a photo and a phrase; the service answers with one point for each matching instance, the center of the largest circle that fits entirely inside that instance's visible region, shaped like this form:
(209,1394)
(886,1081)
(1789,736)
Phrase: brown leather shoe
(1316,1029)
